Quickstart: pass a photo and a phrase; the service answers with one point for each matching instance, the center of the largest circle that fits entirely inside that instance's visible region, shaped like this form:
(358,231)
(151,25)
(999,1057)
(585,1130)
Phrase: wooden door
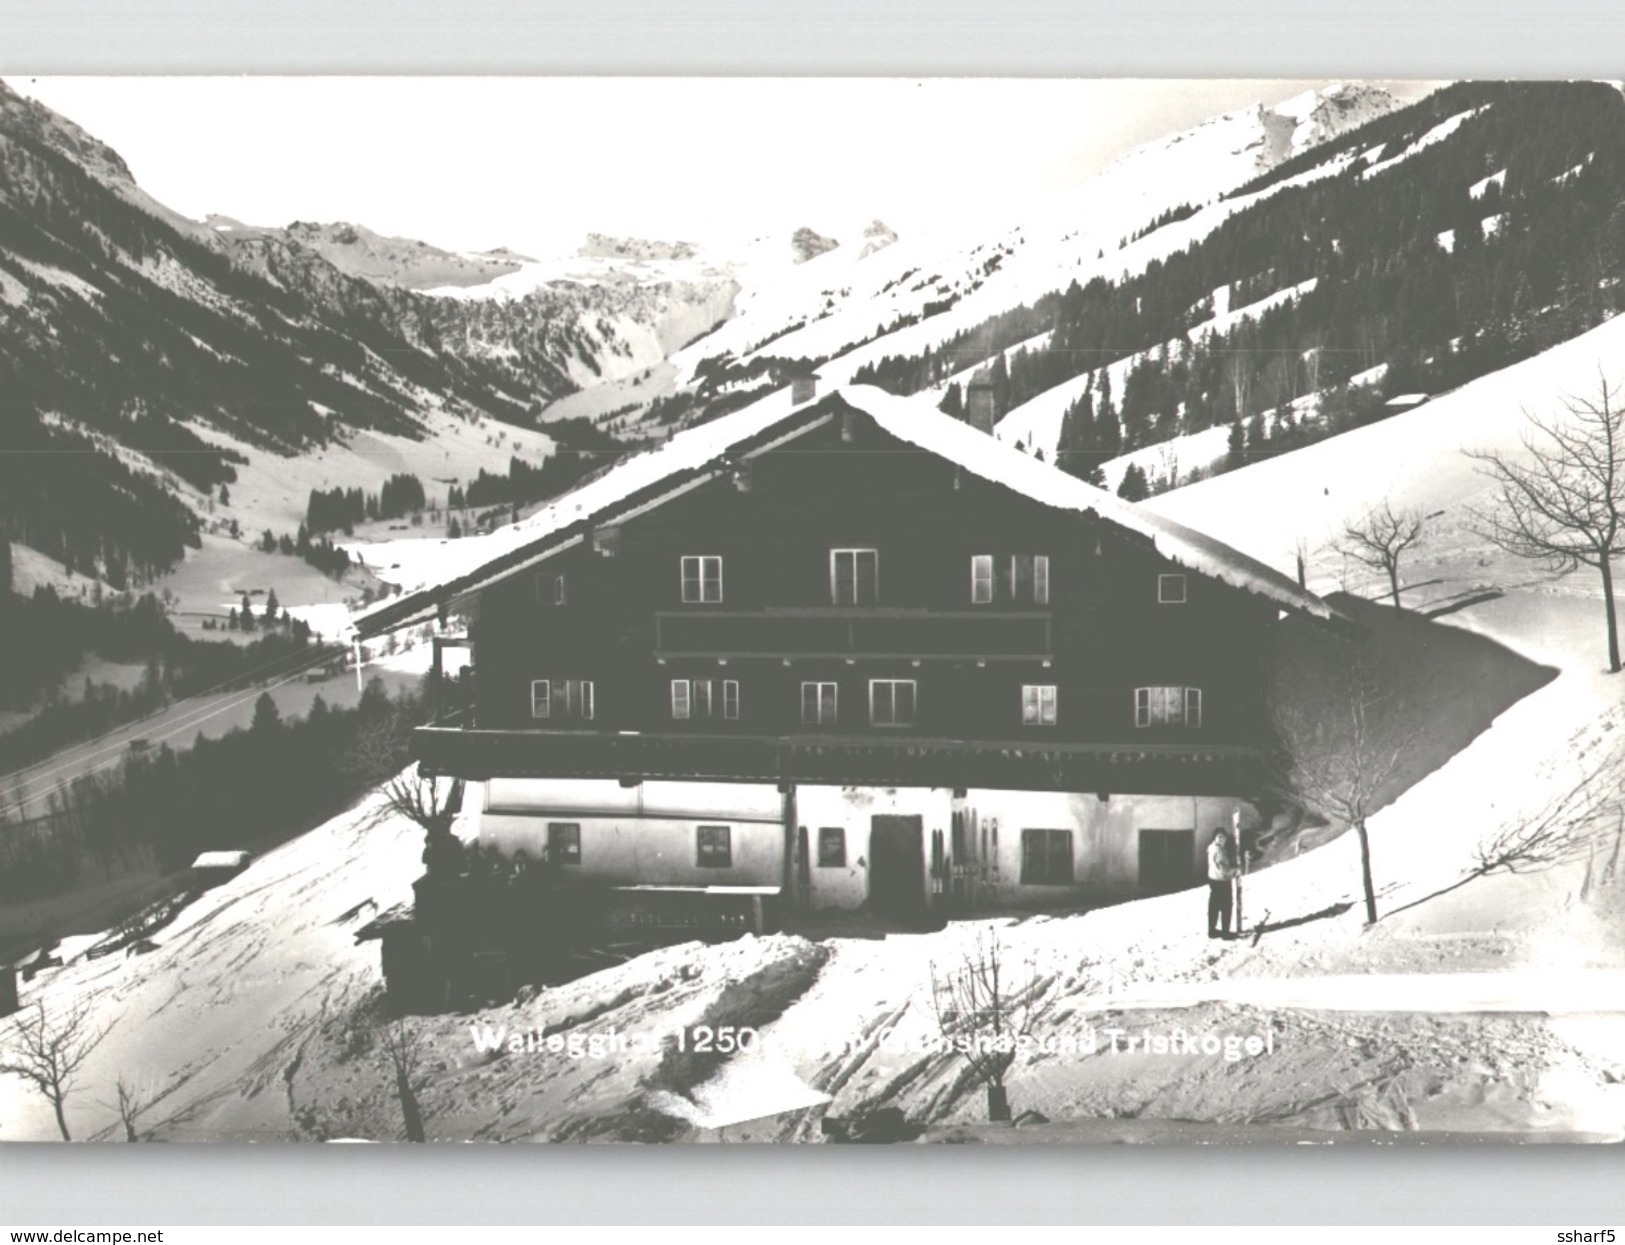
(1168,861)
(897,866)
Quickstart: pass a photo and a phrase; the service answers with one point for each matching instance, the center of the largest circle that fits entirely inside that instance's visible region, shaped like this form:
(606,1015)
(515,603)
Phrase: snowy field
(1488,1006)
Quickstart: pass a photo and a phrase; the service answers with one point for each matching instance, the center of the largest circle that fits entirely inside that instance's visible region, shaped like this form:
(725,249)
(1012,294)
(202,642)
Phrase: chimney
(803,389)
(979,406)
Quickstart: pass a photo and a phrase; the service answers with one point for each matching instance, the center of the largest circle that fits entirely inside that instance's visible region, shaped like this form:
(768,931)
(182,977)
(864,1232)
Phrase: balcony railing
(1004,635)
(1172,769)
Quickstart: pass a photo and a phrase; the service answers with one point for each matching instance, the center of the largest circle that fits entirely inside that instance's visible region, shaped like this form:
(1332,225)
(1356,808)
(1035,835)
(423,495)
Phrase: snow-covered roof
(459,568)
(221,860)
(981,455)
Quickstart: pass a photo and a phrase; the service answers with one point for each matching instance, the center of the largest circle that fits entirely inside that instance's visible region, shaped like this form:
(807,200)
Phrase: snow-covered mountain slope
(843,299)
(147,361)
(1412,459)
(27,118)
(357,251)
(1036,423)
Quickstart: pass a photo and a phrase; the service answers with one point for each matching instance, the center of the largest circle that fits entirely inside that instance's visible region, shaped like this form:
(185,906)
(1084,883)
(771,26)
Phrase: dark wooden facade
(609,611)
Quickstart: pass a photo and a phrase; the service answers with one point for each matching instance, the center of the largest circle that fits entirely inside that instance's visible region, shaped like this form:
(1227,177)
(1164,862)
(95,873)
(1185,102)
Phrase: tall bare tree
(380,756)
(984,1007)
(1343,747)
(1379,540)
(1570,828)
(48,1052)
(1563,501)
(402,1047)
(134,1097)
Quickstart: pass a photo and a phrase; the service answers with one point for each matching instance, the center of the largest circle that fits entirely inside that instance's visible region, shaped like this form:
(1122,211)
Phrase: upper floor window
(704,698)
(891,702)
(702,580)
(1015,577)
(981,579)
(1038,704)
(854,576)
(561,698)
(550,588)
(1167,706)
(1170,589)
(818,703)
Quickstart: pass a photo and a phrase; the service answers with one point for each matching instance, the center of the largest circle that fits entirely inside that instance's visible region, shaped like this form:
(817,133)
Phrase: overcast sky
(535,163)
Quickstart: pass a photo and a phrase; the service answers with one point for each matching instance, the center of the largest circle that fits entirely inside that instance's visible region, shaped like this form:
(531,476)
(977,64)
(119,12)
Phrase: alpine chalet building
(850,651)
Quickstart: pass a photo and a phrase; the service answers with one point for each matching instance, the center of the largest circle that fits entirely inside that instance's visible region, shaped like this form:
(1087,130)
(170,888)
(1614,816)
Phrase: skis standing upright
(1241,866)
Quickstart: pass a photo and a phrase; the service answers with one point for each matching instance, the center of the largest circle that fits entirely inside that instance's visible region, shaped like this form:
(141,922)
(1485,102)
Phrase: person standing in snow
(1221,872)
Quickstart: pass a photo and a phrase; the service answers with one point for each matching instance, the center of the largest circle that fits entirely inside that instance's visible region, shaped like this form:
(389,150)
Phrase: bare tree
(402,1046)
(427,802)
(48,1052)
(133,1098)
(1344,744)
(1381,538)
(984,1009)
(1301,550)
(432,803)
(1565,505)
(1566,830)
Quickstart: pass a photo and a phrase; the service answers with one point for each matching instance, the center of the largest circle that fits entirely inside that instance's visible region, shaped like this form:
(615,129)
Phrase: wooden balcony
(982,635)
(1169,769)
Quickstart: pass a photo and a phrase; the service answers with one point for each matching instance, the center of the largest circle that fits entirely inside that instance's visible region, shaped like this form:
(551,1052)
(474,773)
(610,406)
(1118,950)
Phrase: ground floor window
(1167,706)
(714,847)
(564,842)
(1046,857)
(832,847)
